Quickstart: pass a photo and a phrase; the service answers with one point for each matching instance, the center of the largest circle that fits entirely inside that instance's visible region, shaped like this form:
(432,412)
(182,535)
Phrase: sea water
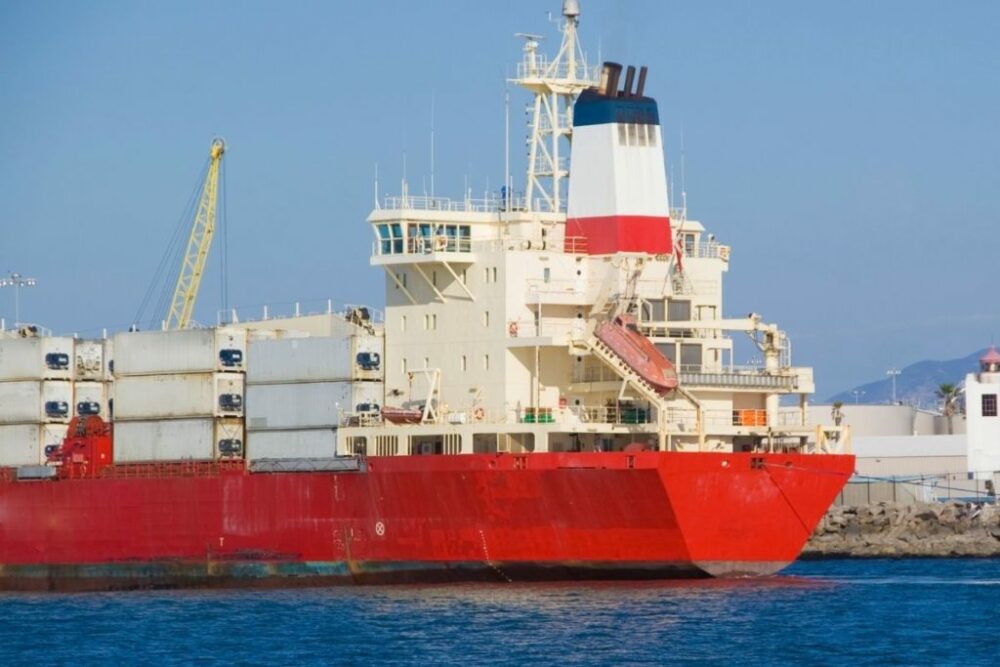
(877,612)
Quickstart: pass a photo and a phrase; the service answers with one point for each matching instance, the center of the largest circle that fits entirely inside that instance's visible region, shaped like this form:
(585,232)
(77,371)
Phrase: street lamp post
(858,393)
(893,372)
(17,281)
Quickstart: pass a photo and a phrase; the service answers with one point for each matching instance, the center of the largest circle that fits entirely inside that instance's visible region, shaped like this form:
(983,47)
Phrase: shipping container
(45,358)
(185,351)
(175,439)
(36,401)
(24,444)
(309,404)
(178,395)
(91,398)
(302,443)
(89,360)
(325,359)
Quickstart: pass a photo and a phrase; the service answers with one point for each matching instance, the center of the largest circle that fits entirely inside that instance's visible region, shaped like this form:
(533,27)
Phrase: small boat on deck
(622,335)
(402,415)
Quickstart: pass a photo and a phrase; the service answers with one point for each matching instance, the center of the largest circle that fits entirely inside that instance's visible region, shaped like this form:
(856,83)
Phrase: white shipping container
(306,404)
(36,401)
(89,360)
(24,444)
(309,443)
(316,359)
(94,395)
(173,440)
(178,395)
(185,351)
(45,358)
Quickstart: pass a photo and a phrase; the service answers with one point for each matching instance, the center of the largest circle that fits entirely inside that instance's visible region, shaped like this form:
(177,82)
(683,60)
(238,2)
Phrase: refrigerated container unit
(178,396)
(315,359)
(89,360)
(161,440)
(306,405)
(92,398)
(25,444)
(221,350)
(36,402)
(43,358)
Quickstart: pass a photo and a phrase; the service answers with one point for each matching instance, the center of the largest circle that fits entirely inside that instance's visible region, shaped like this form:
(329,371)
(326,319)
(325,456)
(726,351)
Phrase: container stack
(299,390)
(36,396)
(92,378)
(178,395)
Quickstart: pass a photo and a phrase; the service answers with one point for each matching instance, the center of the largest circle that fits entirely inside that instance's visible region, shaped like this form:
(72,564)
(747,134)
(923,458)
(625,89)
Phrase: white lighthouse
(983,424)
(618,193)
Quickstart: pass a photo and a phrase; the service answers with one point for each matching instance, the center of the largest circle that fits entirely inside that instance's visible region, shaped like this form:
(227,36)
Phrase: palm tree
(949,394)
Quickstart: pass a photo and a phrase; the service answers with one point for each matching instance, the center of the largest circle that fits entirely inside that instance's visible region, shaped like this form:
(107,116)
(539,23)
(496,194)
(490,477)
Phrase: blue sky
(850,152)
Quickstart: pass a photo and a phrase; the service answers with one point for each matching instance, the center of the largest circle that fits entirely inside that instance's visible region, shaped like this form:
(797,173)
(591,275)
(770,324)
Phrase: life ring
(512,329)
(440,243)
(478,414)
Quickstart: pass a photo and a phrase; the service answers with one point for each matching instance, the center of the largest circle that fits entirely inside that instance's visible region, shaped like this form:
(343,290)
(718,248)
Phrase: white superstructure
(491,307)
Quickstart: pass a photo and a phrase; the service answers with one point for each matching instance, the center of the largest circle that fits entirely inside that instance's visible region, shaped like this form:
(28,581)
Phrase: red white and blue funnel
(618,188)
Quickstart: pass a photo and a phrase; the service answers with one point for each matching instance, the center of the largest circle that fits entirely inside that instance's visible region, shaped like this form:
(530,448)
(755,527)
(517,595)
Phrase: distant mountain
(916,384)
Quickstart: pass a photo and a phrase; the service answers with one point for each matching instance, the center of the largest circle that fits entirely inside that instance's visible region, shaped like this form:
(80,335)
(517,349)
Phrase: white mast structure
(555,86)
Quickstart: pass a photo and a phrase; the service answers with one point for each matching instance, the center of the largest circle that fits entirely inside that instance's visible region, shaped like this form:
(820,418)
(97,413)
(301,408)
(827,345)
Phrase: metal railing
(291,309)
(419,245)
(542,67)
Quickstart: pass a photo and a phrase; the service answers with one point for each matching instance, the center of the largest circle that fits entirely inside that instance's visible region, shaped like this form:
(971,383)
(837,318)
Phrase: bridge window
(397,238)
(989,405)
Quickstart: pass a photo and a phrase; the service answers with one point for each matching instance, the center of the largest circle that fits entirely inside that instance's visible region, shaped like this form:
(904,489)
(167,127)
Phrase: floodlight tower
(555,85)
(17,281)
(893,372)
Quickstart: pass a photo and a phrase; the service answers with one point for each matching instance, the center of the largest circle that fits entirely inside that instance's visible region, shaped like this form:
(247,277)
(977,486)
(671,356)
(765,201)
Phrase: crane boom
(198,245)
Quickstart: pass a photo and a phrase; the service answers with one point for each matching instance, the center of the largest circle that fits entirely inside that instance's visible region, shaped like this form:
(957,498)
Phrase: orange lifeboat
(623,337)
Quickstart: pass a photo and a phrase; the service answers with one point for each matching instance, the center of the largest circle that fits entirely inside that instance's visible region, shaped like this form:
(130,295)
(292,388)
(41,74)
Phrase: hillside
(916,384)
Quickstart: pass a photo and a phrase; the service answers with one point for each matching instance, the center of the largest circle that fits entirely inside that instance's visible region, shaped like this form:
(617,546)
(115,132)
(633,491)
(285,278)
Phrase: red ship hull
(501,517)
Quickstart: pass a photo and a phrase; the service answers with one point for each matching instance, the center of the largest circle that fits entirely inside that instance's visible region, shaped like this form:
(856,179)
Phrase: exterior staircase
(626,373)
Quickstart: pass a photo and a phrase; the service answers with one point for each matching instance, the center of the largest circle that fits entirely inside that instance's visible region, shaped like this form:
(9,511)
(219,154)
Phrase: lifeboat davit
(623,337)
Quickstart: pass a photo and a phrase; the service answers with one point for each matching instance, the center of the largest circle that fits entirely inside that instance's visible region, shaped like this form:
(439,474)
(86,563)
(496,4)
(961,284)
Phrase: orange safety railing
(749,417)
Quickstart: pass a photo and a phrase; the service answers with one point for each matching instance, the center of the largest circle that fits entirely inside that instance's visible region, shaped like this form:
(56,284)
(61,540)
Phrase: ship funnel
(618,191)
(629,79)
(641,87)
(608,84)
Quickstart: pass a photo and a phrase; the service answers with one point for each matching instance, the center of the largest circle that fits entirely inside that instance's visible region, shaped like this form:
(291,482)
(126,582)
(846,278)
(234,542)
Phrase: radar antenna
(555,85)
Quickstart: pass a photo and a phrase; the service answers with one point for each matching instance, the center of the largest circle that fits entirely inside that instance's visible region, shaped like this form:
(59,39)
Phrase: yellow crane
(198,245)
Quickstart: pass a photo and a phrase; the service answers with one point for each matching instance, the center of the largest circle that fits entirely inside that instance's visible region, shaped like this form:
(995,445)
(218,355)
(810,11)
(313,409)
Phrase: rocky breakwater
(896,530)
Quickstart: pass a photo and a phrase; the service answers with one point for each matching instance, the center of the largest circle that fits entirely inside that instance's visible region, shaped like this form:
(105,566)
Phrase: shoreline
(899,530)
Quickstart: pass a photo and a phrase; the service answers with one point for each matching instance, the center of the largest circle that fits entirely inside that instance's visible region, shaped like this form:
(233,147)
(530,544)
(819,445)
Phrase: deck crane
(198,245)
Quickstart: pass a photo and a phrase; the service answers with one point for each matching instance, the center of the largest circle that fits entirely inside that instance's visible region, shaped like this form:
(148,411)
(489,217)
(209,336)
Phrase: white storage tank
(45,358)
(36,401)
(178,396)
(24,444)
(302,443)
(177,440)
(91,398)
(186,351)
(309,404)
(317,359)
